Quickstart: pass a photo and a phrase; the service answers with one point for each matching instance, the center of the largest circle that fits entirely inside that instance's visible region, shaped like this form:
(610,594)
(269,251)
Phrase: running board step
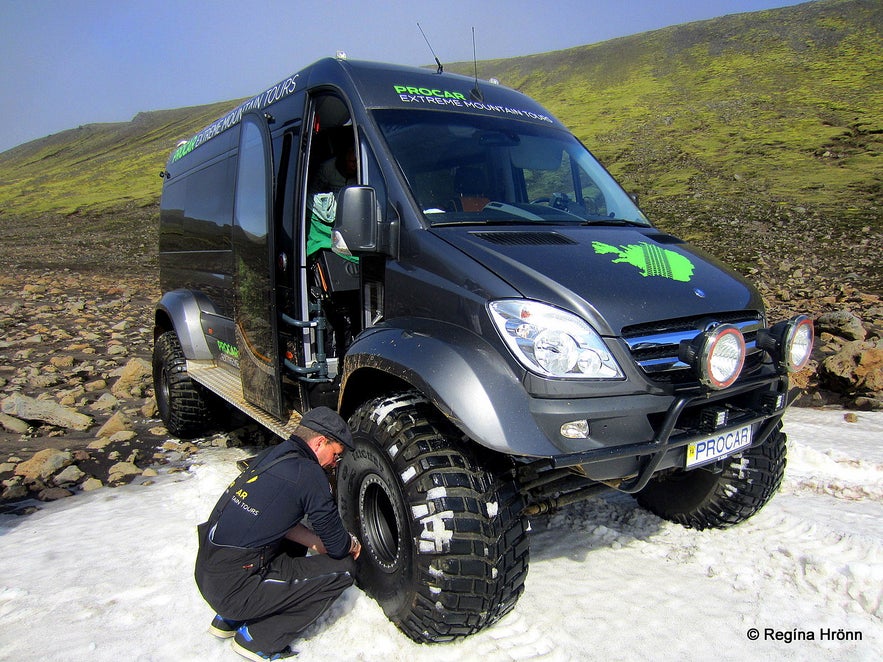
(228,387)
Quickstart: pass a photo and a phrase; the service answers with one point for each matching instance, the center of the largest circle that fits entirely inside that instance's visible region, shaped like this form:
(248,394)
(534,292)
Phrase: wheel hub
(381,528)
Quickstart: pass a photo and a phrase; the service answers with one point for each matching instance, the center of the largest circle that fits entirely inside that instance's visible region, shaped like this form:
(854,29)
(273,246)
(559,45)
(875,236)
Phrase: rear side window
(251,182)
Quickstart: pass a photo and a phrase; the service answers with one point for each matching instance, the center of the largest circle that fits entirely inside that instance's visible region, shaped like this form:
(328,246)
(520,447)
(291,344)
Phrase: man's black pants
(276,591)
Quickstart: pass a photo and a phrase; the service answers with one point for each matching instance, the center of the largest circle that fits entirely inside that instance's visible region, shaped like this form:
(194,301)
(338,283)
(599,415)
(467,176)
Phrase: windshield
(473,169)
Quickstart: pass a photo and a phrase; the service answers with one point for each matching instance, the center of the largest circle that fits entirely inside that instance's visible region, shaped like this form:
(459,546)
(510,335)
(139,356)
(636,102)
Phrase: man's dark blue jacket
(265,507)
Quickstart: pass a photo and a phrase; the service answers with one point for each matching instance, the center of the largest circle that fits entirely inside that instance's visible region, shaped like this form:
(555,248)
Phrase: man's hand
(355,547)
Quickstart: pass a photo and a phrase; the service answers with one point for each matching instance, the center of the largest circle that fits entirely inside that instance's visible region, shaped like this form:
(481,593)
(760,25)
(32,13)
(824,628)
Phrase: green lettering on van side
(428,92)
(228,349)
(184,149)
(650,260)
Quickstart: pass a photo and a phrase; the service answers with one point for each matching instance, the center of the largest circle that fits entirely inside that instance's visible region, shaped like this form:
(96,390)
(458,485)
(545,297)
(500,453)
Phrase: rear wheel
(702,499)
(445,549)
(182,403)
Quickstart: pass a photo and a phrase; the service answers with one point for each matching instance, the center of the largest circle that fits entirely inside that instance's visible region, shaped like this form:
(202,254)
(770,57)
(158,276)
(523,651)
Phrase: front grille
(654,346)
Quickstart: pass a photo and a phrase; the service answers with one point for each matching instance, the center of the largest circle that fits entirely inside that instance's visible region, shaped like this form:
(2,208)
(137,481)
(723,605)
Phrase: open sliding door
(254,272)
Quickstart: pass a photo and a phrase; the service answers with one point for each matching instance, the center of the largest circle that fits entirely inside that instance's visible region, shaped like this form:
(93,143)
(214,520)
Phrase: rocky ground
(77,410)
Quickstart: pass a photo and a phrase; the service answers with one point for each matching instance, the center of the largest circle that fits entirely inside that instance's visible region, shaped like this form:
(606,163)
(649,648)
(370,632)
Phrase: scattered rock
(13,424)
(856,368)
(69,475)
(31,409)
(137,374)
(53,494)
(43,464)
(847,361)
(122,470)
(91,484)
(95,385)
(841,323)
(99,444)
(107,401)
(116,423)
(14,492)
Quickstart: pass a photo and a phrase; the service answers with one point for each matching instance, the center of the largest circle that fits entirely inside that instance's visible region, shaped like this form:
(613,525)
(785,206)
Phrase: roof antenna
(440,67)
(475,93)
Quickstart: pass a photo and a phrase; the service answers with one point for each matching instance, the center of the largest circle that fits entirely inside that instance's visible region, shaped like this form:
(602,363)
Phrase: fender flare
(460,373)
(184,309)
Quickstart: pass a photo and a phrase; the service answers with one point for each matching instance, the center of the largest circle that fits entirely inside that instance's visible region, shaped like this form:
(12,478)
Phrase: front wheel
(182,404)
(445,549)
(702,499)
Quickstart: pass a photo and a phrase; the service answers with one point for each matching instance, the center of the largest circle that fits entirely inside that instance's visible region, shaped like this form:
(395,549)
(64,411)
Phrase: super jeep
(502,327)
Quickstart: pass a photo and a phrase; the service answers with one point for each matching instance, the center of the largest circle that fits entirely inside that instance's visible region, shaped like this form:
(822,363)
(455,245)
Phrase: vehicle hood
(612,276)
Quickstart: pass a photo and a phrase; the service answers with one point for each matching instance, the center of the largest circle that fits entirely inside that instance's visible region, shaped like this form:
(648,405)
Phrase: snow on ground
(108,575)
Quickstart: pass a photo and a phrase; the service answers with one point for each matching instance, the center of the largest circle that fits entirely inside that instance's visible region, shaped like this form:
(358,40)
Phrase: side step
(228,386)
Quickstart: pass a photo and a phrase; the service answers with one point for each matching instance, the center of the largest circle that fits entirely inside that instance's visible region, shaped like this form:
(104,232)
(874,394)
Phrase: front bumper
(759,403)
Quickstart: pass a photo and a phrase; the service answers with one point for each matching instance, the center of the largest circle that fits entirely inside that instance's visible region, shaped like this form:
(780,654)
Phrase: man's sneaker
(244,645)
(223,628)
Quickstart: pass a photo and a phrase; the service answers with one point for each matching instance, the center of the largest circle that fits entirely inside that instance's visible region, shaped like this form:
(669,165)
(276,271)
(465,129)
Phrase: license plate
(720,444)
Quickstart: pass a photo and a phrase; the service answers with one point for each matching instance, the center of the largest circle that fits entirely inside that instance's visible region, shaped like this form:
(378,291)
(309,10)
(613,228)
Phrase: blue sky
(64,63)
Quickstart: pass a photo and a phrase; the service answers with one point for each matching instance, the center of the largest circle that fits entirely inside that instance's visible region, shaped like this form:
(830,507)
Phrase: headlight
(717,356)
(789,343)
(553,342)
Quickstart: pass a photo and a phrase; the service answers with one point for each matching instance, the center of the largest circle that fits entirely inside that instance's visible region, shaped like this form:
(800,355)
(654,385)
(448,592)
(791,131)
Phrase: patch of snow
(108,575)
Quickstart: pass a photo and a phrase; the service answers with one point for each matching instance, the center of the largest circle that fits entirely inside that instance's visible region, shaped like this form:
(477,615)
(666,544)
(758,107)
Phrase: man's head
(346,163)
(332,437)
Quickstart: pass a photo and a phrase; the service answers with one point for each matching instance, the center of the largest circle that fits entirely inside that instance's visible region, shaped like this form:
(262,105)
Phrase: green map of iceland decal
(650,260)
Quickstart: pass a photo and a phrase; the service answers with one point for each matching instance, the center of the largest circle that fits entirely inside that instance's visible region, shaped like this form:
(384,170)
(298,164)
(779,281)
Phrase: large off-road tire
(182,403)
(444,542)
(702,499)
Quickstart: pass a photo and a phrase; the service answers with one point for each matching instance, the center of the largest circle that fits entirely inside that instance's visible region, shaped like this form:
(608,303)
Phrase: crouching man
(252,567)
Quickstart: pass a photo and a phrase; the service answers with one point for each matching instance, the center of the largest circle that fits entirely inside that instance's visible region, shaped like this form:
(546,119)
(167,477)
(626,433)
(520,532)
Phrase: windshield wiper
(614,221)
(480,221)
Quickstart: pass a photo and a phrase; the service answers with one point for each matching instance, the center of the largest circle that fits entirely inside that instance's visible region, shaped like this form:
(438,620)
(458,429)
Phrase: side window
(251,241)
(251,182)
(374,175)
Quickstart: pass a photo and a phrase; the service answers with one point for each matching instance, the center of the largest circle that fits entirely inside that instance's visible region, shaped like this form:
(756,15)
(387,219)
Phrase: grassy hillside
(760,120)
(88,197)
(784,104)
(96,167)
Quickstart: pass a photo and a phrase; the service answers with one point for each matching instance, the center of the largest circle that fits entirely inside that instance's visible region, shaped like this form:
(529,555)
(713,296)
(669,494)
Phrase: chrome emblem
(699,293)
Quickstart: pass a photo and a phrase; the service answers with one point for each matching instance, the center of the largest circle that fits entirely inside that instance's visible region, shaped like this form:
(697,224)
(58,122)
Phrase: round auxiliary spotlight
(798,343)
(717,356)
(789,343)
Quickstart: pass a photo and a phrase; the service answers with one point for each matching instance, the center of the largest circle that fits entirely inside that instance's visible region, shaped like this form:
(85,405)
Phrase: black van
(439,259)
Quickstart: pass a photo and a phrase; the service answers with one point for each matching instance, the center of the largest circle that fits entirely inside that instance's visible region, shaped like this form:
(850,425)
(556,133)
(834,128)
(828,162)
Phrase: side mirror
(358,227)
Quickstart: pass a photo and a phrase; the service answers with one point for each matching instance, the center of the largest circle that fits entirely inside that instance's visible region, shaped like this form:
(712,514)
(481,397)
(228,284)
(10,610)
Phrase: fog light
(789,343)
(716,355)
(713,418)
(575,430)
(772,402)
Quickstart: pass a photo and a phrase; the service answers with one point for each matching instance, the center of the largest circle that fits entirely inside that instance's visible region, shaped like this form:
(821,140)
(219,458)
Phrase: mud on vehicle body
(443,262)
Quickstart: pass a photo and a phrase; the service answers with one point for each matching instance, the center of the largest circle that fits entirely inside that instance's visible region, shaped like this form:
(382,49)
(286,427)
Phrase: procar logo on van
(423,95)
(427,92)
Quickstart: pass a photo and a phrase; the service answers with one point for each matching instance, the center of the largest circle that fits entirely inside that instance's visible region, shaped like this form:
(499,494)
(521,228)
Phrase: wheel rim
(380,525)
